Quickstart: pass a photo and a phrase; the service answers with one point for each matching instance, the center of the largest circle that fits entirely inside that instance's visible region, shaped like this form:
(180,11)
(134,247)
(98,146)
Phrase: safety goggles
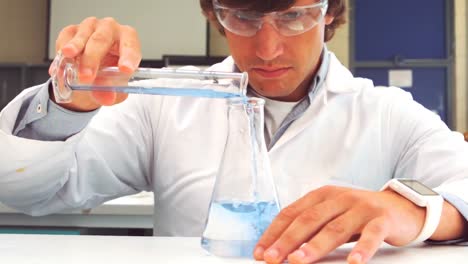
(293,21)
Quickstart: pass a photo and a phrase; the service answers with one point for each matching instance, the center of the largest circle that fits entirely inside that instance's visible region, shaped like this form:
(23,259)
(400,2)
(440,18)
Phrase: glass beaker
(244,199)
(165,81)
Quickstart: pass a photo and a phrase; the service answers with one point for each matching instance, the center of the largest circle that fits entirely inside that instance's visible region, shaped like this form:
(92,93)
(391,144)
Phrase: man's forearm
(452,224)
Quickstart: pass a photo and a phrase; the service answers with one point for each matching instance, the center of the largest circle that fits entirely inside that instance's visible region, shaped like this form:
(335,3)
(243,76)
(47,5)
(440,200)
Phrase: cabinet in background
(16,77)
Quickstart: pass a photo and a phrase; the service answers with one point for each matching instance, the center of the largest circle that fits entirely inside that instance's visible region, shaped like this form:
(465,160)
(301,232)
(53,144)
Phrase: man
(323,126)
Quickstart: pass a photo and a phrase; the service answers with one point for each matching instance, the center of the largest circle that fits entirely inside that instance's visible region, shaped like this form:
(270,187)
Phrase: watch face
(418,187)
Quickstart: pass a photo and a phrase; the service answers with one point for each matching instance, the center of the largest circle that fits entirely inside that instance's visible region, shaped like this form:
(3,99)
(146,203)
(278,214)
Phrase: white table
(46,249)
(135,211)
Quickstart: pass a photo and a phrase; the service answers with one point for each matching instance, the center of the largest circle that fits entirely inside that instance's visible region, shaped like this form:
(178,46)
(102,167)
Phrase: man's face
(279,67)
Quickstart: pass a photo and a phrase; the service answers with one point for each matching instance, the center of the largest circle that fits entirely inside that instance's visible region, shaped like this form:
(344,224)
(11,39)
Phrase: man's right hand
(97,43)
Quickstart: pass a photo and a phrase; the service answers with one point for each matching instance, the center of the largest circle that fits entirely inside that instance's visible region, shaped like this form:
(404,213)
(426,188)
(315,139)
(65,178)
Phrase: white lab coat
(352,134)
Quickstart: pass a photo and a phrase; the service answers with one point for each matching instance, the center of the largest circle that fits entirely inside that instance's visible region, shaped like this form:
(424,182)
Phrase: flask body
(244,199)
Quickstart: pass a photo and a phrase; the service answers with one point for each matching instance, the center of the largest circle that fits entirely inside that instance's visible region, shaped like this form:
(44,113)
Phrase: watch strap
(433,213)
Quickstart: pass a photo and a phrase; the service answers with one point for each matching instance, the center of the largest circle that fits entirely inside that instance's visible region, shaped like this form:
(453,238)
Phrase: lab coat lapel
(339,80)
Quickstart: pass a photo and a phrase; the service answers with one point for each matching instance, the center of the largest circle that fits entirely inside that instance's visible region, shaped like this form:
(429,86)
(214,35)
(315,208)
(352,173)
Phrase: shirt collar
(322,72)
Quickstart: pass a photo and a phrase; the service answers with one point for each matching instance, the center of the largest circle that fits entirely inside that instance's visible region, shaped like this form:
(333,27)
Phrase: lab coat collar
(341,80)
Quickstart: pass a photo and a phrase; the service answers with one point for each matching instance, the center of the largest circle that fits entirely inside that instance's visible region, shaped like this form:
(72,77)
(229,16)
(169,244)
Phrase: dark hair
(336,9)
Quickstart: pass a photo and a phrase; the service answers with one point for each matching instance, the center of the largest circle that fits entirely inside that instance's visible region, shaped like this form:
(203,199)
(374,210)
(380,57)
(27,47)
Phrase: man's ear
(211,17)
(328,19)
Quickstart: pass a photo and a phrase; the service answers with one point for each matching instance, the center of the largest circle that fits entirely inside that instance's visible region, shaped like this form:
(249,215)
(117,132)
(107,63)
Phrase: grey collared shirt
(37,116)
(301,107)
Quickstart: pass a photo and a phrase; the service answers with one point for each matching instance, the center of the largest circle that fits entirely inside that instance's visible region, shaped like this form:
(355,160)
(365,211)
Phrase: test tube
(164,81)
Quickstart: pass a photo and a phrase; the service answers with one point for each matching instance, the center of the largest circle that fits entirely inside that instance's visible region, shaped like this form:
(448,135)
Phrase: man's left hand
(330,216)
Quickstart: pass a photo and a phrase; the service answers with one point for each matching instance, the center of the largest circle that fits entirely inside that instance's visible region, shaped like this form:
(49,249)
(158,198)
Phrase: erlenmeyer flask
(244,199)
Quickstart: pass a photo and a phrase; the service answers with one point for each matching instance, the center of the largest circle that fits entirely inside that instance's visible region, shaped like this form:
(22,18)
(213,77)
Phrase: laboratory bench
(129,215)
(53,249)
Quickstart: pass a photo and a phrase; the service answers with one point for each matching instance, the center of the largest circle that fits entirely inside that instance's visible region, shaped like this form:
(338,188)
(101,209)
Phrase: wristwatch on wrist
(422,196)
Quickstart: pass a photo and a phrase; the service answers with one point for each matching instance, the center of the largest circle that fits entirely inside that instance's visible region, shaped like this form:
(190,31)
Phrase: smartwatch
(422,196)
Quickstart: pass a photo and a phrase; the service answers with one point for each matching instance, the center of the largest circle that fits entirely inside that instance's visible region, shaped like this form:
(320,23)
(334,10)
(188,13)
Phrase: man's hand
(330,216)
(97,43)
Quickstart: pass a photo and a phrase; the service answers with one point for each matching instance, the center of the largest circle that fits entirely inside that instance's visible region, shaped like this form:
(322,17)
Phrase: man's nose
(269,42)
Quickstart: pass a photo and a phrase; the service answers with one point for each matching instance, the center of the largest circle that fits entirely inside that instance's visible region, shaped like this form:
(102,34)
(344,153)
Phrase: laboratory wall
(23,25)
(461,66)
(164,27)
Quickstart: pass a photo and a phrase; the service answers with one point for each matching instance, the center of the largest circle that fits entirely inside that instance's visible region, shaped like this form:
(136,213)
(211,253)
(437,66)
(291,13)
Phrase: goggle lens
(293,21)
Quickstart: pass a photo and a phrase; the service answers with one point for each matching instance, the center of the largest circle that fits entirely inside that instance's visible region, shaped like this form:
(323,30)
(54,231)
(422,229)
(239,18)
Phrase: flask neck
(252,109)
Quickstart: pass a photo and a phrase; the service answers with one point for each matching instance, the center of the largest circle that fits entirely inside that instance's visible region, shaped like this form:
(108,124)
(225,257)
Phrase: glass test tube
(165,81)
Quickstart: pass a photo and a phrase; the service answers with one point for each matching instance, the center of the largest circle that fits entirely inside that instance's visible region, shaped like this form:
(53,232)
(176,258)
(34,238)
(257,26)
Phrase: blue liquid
(193,92)
(233,229)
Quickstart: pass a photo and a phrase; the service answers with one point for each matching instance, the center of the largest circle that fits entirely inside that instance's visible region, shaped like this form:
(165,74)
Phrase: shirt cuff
(462,207)
(47,121)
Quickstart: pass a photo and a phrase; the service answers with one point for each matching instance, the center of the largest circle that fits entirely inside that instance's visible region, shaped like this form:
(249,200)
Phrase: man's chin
(270,92)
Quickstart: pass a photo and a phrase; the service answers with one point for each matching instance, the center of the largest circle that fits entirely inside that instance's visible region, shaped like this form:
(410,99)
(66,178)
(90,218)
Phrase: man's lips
(270,72)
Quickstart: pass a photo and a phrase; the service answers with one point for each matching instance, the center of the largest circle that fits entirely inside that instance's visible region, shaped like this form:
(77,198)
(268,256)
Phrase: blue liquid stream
(237,227)
(193,92)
